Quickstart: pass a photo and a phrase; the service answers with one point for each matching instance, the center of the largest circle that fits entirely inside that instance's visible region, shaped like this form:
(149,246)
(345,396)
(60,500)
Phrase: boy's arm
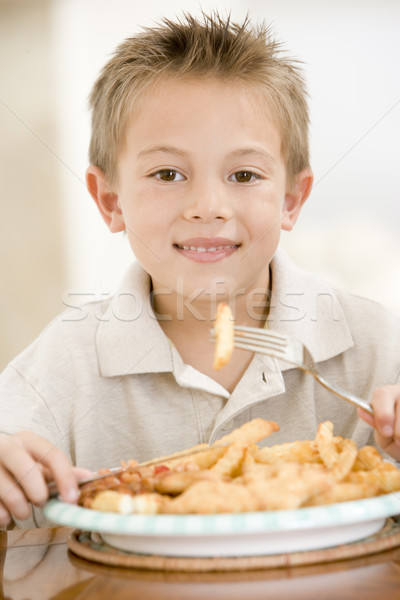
(386,418)
(27,462)
(27,457)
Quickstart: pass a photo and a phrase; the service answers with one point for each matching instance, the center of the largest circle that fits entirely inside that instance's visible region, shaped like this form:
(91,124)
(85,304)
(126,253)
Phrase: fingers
(385,402)
(386,418)
(14,465)
(21,472)
(81,473)
(367,417)
(26,461)
(5,517)
(13,499)
(55,463)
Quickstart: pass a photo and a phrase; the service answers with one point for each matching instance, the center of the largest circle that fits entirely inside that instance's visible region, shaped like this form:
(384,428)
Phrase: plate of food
(237,499)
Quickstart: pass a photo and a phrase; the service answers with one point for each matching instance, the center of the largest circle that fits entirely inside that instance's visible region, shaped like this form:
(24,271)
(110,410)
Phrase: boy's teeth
(200,249)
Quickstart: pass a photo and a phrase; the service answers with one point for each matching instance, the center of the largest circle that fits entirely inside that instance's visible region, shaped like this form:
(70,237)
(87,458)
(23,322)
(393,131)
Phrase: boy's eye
(245,176)
(168,175)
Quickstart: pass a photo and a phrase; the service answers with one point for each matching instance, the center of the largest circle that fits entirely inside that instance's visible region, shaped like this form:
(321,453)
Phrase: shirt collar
(130,340)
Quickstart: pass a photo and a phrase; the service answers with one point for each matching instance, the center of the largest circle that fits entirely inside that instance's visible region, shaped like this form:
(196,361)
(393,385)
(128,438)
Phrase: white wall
(32,266)
(349,231)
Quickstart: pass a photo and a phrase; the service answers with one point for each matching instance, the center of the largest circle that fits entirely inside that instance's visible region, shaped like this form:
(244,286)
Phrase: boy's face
(201,188)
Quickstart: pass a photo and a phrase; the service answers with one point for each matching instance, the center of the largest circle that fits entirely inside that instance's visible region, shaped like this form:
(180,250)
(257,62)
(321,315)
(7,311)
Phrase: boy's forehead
(166,85)
(168,92)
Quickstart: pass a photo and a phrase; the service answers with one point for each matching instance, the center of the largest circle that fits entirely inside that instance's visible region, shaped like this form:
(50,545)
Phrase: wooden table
(37,565)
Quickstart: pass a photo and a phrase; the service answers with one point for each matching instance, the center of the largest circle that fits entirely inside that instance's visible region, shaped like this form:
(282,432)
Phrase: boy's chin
(206,289)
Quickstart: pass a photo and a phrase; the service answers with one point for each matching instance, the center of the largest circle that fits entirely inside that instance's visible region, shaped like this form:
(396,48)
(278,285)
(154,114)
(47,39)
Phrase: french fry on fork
(223,329)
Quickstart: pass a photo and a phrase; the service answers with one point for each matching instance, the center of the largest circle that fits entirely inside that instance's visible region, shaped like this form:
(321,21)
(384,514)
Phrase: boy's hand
(27,461)
(386,418)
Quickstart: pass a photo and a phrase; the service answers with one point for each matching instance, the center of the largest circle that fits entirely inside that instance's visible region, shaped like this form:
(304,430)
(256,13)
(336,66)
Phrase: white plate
(244,534)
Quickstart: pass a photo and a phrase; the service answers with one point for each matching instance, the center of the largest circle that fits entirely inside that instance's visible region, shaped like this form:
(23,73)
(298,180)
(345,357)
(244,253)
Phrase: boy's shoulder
(369,319)
(68,338)
(368,306)
(312,290)
(71,340)
(327,319)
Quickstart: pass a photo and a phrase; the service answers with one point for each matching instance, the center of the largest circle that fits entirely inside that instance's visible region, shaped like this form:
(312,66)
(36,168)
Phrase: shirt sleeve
(23,408)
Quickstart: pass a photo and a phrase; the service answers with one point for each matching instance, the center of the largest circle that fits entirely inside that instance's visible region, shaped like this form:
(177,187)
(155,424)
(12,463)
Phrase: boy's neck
(173,310)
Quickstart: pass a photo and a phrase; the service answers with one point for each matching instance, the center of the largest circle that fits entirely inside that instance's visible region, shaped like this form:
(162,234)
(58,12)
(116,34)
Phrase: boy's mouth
(206,249)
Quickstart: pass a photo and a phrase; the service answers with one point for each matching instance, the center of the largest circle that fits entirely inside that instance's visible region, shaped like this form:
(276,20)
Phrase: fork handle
(343,393)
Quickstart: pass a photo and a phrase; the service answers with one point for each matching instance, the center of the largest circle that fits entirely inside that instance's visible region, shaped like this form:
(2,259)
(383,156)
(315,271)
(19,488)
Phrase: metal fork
(292,351)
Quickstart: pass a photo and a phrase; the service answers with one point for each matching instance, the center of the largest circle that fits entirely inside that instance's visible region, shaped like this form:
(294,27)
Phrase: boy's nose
(207,204)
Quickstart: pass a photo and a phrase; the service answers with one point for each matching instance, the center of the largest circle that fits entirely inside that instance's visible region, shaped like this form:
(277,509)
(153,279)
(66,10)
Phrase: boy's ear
(295,198)
(106,200)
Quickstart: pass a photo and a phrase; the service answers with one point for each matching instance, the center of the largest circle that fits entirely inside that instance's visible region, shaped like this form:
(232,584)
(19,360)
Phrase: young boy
(199,152)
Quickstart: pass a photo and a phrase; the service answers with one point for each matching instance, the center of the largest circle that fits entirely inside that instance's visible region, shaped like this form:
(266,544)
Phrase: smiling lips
(206,249)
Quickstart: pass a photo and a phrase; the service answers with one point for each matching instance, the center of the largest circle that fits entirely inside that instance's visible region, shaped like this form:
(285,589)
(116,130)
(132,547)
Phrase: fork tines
(255,340)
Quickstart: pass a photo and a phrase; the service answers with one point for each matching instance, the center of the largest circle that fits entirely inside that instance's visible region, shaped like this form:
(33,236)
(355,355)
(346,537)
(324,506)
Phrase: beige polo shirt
(103,382)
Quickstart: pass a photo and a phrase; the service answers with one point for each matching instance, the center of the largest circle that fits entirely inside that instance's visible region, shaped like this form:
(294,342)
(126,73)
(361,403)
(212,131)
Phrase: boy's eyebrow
(167,149)
(252,151)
